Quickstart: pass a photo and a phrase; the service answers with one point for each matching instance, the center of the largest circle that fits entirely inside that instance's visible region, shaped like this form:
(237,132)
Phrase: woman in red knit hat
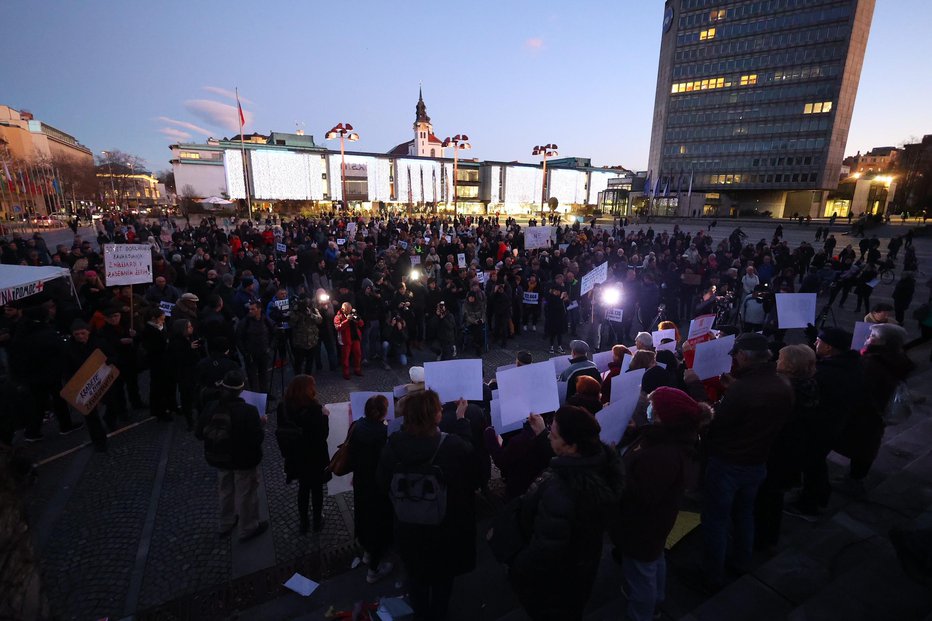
(656,468)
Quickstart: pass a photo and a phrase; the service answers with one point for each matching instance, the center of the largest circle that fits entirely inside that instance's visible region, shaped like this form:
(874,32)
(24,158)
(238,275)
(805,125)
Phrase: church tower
(425,142)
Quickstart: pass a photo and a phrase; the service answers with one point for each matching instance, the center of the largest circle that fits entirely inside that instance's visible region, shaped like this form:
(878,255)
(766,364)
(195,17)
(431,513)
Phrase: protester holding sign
(436,535)
(563,518)
(77,350)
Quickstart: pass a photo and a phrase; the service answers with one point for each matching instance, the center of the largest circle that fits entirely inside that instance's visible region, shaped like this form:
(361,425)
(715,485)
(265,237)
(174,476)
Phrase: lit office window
(748,80)
(819,107)
(707,35)
(717,15)
(189,155)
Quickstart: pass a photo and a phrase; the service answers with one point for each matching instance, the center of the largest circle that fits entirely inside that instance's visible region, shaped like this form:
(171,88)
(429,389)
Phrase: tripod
(661,316)
(824,315)
(281,347)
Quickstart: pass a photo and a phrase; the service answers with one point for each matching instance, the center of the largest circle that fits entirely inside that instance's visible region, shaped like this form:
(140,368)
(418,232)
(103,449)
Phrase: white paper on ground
(626,384)
(495,411)
(712,357)
(258,399)
(525,390)
(602,359)
(614,418)
(339,420)
(862,330)
(560,364)
(455,379)
(301,585)
(795,310)
(700,325)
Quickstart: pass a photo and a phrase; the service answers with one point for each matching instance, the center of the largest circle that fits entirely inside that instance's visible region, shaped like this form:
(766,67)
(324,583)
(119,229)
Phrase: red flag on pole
(242,117)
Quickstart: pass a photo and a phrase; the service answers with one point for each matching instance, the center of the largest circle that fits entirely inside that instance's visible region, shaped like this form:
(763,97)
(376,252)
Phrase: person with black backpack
(302,433)
(431,485)
(232,433)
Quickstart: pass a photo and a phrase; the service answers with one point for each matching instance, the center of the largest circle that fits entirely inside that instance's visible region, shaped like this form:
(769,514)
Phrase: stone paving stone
(747,599)
(794,575)
(89,559)
(185,555)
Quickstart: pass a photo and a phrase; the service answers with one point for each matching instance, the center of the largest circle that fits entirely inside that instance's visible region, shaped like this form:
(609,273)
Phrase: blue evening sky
(137,76)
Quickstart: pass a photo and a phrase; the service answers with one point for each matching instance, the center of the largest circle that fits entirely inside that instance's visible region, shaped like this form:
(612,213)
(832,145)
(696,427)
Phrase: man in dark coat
(232,433)
(254,334)
(738,441)
(35,363)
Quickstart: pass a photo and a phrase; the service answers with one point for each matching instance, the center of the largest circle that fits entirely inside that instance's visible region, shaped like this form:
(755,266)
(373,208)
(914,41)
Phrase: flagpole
(242,147)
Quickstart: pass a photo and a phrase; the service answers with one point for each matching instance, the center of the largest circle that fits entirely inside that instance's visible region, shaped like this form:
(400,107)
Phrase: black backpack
(218,437)
(419,492)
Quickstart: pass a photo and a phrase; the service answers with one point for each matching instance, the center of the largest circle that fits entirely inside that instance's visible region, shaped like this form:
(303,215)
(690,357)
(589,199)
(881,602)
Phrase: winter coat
(254,336)
(446,329)
(521,459)
(36,354)
(787,452)
(749,416)
(473,312)
(373,516)
(311,461)
(843,395)
(656,468)
(347,329)
(448,549)
(883,370)
(563,518)
(246,428)
(305,325)
(182,359)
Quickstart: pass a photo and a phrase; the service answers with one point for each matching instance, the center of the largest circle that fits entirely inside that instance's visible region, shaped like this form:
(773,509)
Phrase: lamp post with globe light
(548,150)
(457,142)
(345,132)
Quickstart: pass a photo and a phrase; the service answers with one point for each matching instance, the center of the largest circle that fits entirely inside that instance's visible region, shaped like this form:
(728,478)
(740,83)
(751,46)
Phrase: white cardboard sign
(560,363)
(526,390)
(339,421)
(712,357)
(602,360)
(614,417)
(461,259)
(127,264)
(538,237)
(358,403)
(530,297)
(627,386)
(659,335)
(795,310)
(700,325)
(495,411)
(615,314)
(597,276)
(455,379)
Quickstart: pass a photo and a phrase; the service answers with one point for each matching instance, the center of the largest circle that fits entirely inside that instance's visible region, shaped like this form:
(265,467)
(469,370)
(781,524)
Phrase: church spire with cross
(421,108)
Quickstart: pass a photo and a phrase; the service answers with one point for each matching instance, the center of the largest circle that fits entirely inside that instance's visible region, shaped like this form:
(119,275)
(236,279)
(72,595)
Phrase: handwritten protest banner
(127,264)
(87,387)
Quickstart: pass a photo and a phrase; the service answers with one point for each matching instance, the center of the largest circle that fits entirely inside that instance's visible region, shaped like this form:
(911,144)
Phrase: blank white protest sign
(526,390)
(795,310)
(712,357)
(455,379)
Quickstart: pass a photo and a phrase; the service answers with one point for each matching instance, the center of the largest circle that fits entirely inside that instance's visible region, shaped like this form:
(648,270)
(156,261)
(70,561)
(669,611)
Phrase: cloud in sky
(225,92)
(534,44)
(217,114)
(184,124)
(175,134)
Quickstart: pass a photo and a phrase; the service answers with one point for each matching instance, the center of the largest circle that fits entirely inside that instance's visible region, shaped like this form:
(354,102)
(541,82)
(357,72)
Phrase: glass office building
(754,100)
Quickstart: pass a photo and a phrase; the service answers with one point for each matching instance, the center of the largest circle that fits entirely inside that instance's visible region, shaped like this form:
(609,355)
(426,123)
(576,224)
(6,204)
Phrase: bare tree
(120,168)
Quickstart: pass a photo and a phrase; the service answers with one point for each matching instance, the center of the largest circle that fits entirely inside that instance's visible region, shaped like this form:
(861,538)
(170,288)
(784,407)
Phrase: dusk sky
(137,76)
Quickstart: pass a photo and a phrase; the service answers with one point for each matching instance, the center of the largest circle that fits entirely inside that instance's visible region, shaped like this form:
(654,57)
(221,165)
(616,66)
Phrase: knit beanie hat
(672,406)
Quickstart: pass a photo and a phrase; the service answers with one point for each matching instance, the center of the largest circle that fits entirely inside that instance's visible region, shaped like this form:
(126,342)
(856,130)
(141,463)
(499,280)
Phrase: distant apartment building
(753,103)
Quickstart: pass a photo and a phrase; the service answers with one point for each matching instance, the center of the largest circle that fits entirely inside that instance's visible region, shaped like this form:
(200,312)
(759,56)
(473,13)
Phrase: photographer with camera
(445,330)
(327,336)
(349,329)
(305,334)
(395,341)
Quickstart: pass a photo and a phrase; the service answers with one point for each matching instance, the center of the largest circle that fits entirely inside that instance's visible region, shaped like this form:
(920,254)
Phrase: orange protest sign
(91,382)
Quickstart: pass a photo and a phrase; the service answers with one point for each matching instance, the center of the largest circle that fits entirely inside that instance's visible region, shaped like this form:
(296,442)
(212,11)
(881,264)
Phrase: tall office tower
(753,104)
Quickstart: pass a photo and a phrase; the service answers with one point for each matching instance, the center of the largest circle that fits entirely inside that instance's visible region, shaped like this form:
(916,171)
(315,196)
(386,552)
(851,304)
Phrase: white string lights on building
(522,186)
(421,174)
(233,168)
(287,176)
(567,186)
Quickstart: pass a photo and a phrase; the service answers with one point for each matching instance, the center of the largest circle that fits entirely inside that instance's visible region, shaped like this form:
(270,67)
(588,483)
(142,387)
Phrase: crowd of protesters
(229,307)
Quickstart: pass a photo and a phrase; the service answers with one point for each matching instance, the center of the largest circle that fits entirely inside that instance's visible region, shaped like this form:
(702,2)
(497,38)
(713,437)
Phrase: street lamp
(345,132)
(457,142)
(548,150)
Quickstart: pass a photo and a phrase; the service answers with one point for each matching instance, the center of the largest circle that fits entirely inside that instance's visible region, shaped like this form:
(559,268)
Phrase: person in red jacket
(349,333)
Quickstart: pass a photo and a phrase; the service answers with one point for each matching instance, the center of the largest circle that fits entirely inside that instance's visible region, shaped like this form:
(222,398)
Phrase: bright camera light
(323,297)
(415,275)
(611,296)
